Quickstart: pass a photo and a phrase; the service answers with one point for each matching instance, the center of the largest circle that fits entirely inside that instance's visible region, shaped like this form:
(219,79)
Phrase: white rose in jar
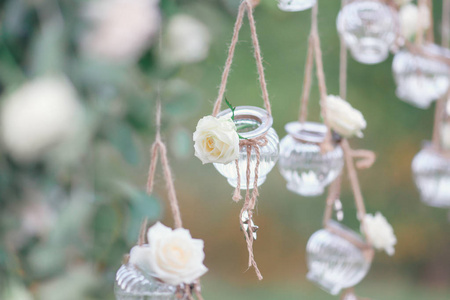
(410,15)
(343,118)
(380,233)
(172,256)
(216,140)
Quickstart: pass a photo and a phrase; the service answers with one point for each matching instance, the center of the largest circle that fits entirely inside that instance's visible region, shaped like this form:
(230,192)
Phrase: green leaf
(121,137)
(142,206)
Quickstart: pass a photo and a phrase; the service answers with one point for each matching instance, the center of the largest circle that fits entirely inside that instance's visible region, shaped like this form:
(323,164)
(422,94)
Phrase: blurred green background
(90,208)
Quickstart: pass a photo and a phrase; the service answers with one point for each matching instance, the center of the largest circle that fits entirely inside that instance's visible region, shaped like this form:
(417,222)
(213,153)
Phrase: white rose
(121,29)
(187,40)
(171,255)
(402,2)
(380,232)
(216,140)
(410,16)
(39,116)
(343,118)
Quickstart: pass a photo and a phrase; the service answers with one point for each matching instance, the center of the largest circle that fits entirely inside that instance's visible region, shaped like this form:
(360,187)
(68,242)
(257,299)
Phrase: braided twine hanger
(159,149)
(254,144)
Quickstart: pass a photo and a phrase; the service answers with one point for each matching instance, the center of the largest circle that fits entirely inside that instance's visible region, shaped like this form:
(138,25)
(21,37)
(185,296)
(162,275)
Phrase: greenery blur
(99,201)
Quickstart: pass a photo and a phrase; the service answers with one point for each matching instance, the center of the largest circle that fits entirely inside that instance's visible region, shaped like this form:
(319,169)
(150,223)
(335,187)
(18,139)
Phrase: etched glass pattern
(421,80)
(306,169)
(335,263)
(132,284)
(295,5)
(431,172)
(368,29)
(254,122)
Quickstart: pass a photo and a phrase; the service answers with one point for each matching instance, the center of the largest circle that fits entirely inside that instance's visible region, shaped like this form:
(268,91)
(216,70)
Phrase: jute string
(159,149)
(314,50)
(342,65)
(250,144)
(246,5)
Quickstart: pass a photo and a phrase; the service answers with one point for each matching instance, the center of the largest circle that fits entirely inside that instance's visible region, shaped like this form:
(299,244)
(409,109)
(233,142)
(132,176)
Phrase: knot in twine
(250,200)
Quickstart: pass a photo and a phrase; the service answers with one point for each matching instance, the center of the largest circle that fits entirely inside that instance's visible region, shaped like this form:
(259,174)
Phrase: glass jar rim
(310,132)
(258,114)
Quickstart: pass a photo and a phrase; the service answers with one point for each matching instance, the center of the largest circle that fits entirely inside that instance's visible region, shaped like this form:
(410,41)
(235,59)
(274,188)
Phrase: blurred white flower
(187,40)
(410,15)
(380,233)
(39,116)
(402,2)
(343,118)
(171,255)
(121,29)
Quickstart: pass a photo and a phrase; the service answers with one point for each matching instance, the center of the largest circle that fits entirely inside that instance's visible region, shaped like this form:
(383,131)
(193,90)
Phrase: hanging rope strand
(303,114)
(445,30)
(343,65)
(159,146)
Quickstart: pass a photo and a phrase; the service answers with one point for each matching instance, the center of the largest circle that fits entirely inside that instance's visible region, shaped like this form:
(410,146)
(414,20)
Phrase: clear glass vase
(252,122)
(337,258)
(295,5)
(132,284)
(420,78)
(306,169)
(431,171)
(368,29)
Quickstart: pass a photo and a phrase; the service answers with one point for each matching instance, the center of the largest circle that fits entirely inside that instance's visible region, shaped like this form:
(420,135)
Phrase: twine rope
(246,5)
(342,65)
(250,199)
(315,51)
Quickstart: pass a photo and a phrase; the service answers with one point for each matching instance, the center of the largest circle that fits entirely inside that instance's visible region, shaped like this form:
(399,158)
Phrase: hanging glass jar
(368,29)
(420,77)
(252,123)
(431,171)
(306,169)
(337,258)
(295,5)
(132,284)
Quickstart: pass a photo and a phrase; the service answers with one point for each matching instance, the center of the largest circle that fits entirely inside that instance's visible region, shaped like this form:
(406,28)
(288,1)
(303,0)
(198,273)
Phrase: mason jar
(337,258)
(132,284)
(368,29)
(306,169)
(420,78)
(295,5)
(252,123)
(431,171)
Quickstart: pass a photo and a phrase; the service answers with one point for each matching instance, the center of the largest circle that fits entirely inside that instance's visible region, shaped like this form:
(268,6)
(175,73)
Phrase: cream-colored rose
(216,140)
(39,116)
(343,118)
(171,255)
(187,40)
(410,15)
(445,135)
(380,233)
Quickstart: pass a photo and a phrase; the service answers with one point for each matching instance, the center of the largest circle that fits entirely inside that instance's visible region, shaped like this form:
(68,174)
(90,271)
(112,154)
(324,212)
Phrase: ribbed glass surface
(295,5)
(268,158)
(132,284)
(334,263)
(368,28)
(420,80)
(306,170)
(432,177)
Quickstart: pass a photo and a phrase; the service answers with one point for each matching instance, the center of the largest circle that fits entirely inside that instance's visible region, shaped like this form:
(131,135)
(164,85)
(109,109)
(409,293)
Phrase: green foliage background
(100,200)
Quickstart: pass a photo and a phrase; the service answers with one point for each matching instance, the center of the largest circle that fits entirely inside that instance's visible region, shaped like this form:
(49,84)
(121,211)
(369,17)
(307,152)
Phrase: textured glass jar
(257,122)
(431,171)
(295,5)
(337,258)
(368,29)
(307,170)
(132,284)
(421,79)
